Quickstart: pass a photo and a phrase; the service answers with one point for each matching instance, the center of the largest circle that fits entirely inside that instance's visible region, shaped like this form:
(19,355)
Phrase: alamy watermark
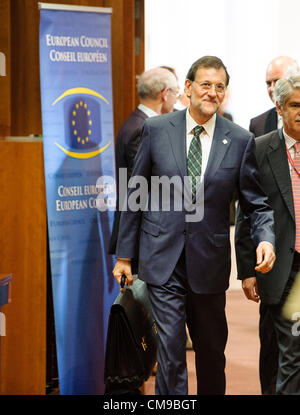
(296,326)
(2,64)
(161,193)
(2,324)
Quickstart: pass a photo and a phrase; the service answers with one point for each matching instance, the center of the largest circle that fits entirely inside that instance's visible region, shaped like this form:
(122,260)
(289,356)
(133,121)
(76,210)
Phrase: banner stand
(77,117)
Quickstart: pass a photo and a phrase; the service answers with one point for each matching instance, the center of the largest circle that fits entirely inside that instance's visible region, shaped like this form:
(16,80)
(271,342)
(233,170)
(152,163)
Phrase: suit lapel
(177,138)
(280,168)
(220,145)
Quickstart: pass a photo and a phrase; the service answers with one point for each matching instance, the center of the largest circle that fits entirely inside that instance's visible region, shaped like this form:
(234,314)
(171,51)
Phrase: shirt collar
(209,125)
(148,111)
(289,141)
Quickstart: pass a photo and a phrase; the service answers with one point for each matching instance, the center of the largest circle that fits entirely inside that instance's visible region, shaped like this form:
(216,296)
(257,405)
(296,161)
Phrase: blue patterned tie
(194,160)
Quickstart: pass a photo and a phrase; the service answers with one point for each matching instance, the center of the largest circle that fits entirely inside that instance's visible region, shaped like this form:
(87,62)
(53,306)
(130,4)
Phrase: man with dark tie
(260,125)
(278,155)
(199,159)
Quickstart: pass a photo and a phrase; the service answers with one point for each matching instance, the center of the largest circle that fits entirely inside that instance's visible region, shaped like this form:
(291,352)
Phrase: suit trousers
(268,355)
(174,305)
(288,338)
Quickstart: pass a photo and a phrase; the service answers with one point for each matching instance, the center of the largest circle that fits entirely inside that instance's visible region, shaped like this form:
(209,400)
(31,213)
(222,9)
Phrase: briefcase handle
(123,281)
(122,284)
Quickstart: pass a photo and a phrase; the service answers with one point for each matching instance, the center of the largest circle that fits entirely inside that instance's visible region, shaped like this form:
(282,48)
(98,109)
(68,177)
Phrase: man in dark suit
(260,125)
(184,255)
(269,121)
(277,160)
(157,89)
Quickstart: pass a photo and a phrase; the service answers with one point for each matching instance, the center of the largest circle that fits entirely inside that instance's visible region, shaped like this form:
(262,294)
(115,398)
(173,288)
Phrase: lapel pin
(225,141)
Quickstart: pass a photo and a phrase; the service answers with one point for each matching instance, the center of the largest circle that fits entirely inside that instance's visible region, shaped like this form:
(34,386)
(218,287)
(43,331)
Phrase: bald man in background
(262,124)
(269,120)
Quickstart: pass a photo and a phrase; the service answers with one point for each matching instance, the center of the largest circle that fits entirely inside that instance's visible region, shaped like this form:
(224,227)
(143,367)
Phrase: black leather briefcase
(131,341)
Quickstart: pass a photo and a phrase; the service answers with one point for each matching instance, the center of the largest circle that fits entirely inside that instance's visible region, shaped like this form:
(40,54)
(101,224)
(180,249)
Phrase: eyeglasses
(206,86)
(175,92)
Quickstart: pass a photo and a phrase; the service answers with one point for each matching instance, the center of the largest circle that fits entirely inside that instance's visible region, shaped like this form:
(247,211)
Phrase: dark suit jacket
(264,123)
(276,182)
(128,140)
(162,235)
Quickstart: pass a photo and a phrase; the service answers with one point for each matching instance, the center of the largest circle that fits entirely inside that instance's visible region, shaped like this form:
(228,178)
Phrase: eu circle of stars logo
(83,123)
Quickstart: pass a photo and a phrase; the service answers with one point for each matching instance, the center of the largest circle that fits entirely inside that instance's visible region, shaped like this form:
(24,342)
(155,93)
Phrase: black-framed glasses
(206,86)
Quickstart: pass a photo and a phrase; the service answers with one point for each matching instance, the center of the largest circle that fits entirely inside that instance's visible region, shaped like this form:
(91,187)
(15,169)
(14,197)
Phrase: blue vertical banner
(77,116)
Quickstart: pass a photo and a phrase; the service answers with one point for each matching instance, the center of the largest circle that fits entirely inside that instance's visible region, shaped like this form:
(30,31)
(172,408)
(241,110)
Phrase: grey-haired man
(279,165)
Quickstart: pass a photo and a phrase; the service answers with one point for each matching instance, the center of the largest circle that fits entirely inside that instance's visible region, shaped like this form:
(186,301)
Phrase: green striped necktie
(194,160)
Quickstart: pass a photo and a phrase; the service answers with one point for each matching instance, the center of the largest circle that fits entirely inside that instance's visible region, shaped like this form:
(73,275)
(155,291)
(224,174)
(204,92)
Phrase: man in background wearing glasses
(156,89)
(185,262)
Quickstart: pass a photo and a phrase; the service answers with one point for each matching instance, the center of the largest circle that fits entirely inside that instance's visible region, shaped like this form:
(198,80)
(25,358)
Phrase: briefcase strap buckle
(144,344)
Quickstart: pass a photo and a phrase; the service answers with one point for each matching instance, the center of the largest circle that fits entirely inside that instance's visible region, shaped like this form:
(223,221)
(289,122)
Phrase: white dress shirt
(148,111)
(206,137)
(279,121)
